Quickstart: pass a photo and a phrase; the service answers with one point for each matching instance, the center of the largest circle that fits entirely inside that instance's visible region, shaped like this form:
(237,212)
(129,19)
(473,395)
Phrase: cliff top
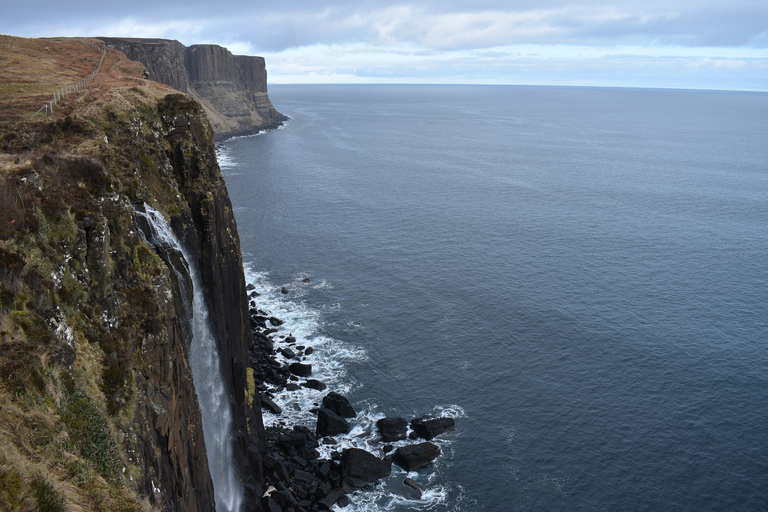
(33,70)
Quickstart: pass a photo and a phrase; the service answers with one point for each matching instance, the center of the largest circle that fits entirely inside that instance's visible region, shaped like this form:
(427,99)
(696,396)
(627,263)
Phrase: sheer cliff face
(99,410)
(232,89)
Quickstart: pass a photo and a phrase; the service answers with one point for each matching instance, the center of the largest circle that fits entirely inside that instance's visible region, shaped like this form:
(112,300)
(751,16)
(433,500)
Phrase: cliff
(98,409)
(231,88)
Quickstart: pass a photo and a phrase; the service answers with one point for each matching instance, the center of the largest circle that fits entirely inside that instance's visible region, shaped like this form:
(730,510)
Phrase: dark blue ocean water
(579,275)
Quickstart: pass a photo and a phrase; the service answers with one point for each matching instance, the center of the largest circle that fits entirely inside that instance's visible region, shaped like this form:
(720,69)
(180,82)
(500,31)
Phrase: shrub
(89,432)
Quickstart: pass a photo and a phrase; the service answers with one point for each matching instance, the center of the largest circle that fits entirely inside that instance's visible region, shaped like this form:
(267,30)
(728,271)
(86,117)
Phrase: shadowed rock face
(231,88)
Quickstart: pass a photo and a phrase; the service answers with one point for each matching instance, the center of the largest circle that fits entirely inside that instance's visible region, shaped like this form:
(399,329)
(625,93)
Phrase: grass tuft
(89,432)
(47,497)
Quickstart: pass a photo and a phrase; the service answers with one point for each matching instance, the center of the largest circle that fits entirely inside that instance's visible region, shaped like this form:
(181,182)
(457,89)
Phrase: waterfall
(204,360)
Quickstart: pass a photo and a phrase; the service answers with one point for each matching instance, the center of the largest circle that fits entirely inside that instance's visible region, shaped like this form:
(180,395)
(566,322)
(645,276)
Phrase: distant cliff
(231,88)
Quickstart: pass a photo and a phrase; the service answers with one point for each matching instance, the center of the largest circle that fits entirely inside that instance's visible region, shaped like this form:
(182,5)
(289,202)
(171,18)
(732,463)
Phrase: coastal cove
(575,273)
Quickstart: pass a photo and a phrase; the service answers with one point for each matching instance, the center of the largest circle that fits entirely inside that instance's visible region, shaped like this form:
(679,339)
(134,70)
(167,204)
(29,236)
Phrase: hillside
(97,406)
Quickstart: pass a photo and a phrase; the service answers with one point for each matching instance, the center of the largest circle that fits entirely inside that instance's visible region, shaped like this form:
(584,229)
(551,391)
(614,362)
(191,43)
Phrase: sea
(578,276)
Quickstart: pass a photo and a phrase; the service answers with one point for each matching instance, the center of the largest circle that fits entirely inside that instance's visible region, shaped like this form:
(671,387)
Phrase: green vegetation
(47,497)
(89,432)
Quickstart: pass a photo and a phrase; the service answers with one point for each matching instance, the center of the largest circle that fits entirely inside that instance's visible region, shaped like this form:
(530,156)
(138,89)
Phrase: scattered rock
(314,384)
(413,485)
(301,439)
(359,467)
(392,429)
(267,403)
(416,456)
(284,290)
(332,499)
(428,427)
(339,404)
(329,423)
(306,280)
(300,369)
(295,476)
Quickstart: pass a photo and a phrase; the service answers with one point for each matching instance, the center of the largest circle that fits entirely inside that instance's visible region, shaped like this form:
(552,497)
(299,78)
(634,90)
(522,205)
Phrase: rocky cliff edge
(231,88)
(97,404)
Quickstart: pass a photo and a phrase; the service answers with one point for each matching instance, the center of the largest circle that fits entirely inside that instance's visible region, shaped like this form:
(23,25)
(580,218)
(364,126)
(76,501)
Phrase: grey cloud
(274,26)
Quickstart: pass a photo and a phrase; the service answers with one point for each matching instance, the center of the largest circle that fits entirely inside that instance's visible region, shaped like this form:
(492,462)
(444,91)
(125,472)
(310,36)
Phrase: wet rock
(330,424)
(428,427)
(300,369)
(284,290)
(275,321)
(392,429)
(288,353)
(416,456)
(359,467)
(331,499)
(339,404)
(315,384)
(268,404)
(414,486)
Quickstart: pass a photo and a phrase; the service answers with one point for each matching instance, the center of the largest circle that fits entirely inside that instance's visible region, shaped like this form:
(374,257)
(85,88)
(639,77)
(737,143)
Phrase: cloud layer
(722,45)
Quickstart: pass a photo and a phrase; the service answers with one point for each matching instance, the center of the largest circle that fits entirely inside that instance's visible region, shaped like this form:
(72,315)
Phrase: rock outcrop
(231,88)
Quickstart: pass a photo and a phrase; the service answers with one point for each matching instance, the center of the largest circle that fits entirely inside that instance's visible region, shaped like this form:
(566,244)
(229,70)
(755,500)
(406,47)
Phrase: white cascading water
(206,374)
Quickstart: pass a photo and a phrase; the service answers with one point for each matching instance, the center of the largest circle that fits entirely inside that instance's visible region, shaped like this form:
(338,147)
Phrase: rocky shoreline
(296,477)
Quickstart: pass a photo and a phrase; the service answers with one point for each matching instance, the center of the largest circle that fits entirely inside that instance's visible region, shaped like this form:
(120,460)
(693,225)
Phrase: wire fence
(78,86)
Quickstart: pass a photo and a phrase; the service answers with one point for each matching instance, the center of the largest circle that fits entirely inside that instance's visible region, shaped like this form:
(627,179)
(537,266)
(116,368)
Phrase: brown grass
(31,70)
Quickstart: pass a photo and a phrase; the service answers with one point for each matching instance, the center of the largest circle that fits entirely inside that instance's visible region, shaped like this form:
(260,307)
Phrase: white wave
(449,411)
(329,360)
(225,159)
(393,495)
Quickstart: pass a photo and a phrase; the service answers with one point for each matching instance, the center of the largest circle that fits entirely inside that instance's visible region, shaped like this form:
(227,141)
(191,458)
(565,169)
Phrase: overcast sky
(700,44)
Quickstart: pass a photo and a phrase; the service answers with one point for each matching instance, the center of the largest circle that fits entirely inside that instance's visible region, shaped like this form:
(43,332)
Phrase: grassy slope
(66,383)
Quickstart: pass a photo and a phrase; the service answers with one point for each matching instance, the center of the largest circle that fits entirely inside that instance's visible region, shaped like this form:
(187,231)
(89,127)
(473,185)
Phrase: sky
(690,44)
